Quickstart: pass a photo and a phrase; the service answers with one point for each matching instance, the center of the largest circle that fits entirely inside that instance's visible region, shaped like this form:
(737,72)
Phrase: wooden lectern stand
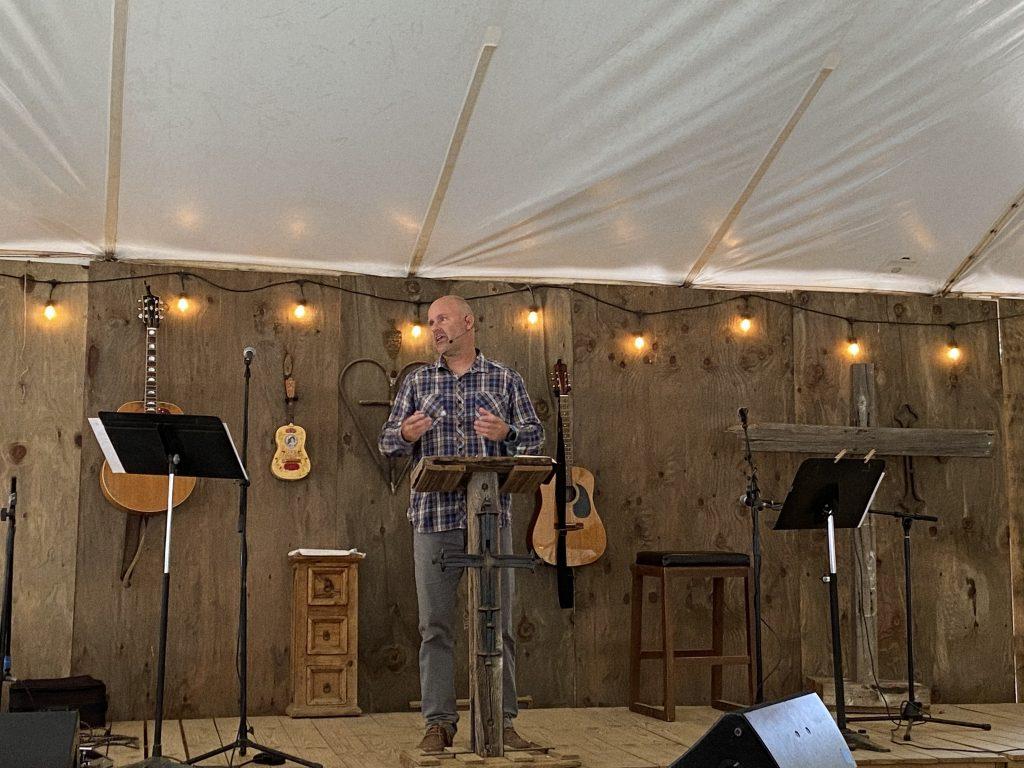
(484,479)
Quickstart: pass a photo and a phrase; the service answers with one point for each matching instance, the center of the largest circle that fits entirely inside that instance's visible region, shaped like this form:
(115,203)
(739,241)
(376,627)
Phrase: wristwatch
(512,436)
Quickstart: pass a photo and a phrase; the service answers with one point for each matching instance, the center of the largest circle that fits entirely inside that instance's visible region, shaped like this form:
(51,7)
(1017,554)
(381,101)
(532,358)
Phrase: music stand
(832,494)
(172,445)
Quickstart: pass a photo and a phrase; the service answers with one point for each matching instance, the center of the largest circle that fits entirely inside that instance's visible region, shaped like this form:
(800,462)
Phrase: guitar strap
(134,538)
(566,577)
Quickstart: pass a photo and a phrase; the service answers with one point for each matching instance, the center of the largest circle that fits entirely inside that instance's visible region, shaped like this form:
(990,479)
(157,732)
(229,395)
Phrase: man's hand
(413,427)
(490,426)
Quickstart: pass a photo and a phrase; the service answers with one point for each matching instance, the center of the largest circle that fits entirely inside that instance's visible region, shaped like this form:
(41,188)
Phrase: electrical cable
(744,297)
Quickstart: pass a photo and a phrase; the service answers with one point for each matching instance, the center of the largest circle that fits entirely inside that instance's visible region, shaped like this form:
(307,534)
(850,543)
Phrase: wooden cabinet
(325,631)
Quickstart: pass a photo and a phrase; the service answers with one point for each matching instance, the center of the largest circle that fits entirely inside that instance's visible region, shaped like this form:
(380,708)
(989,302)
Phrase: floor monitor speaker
(797,732)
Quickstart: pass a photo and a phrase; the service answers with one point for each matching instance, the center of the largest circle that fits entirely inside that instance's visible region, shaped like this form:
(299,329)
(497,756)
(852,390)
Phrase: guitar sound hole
(570,494)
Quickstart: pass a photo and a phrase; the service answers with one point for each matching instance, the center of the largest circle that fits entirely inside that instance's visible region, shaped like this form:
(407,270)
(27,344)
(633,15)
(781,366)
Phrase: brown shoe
(436,739)
(514,741)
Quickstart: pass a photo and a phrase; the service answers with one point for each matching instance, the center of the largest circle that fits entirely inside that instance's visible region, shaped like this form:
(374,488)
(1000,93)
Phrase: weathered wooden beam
(864,584)
(485,671)
(1011,334)
(887,441)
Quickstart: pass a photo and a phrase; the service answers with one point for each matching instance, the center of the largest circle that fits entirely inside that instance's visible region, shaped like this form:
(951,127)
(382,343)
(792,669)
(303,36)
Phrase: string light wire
(573,290)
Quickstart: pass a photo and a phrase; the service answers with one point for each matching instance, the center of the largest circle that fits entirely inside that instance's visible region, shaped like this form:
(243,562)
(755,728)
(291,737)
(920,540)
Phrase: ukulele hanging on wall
(290,462)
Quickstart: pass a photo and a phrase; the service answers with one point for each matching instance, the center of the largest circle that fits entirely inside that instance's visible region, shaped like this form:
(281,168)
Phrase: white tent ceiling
(743,143)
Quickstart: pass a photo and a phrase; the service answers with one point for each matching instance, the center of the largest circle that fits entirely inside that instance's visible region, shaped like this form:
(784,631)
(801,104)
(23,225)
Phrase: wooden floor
(603,738)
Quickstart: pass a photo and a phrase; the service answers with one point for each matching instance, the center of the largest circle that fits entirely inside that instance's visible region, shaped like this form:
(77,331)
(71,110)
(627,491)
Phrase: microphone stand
(8,514)
(242,741)
(912,711)
(752,499)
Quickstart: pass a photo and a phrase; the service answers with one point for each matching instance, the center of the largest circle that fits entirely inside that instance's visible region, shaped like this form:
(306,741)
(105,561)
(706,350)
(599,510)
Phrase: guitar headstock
(560,379)
(151,309)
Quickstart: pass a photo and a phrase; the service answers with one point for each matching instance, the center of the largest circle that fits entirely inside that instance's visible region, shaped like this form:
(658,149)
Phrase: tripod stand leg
(247,744)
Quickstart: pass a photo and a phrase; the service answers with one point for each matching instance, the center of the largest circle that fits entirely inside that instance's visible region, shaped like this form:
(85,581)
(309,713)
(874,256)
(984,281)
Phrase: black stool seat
(693,559)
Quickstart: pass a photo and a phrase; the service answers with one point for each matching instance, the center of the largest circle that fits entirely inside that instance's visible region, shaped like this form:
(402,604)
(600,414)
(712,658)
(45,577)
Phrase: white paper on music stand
(105,445)
(326,553)
(239,458)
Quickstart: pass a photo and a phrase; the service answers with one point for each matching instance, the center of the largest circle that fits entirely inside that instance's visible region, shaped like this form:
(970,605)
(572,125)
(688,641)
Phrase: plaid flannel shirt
(452,403)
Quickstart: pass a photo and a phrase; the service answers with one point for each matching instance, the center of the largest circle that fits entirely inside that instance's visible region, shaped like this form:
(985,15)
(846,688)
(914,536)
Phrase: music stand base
(247,744)
(912,713)
(158,762)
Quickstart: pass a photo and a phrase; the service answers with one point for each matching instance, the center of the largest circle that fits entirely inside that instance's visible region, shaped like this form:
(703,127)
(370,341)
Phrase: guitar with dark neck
(580,525)
(145,494)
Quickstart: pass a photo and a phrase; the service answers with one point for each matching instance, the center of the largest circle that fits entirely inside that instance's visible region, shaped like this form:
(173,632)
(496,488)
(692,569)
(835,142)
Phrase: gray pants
(437,596)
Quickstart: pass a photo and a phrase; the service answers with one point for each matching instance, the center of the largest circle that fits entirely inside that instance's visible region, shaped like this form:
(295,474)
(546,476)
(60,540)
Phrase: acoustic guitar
(585,537)
(146,494)
(290,462)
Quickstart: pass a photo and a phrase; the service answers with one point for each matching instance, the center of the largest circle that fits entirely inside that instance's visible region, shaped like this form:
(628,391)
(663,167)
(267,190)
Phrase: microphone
(743,416)
(7,513)
(456,337)
(248,354)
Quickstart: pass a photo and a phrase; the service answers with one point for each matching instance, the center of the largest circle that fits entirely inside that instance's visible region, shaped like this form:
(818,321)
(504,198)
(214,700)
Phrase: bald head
(452,323)
(452,304)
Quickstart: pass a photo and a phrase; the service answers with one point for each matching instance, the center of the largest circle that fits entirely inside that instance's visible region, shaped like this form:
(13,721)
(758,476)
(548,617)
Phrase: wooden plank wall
(651,426)
(961,567)
(201,370)
(40,435)
(1012,348)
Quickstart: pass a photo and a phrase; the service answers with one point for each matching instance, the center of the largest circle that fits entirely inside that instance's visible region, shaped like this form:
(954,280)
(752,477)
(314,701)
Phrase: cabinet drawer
(327,586)
(326,685)
(326,635)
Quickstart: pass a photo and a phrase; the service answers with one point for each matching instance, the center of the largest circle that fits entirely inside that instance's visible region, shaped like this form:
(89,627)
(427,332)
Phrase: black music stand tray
(172,445)
(830,494)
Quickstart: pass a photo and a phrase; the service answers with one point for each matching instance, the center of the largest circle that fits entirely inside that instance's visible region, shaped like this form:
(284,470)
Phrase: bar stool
(717,566)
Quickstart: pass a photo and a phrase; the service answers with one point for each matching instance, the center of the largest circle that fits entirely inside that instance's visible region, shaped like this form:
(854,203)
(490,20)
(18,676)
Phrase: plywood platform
(602,738)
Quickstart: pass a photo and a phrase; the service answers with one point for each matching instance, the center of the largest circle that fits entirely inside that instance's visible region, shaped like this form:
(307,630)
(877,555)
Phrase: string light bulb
(183,296)
(639,341)
(533,316)
(300,307)
(417,324)
(50,310)
(852,343)
(953,349)
(746,322)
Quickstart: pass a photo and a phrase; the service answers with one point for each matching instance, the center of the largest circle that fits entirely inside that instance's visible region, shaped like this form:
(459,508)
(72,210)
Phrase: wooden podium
(484,479)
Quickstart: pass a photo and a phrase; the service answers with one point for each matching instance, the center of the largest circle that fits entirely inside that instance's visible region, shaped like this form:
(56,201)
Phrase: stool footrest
(699,657)
(658,712)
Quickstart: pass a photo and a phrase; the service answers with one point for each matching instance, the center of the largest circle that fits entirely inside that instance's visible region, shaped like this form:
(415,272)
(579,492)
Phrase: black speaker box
(39,740)
(82,693)
(797,732)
